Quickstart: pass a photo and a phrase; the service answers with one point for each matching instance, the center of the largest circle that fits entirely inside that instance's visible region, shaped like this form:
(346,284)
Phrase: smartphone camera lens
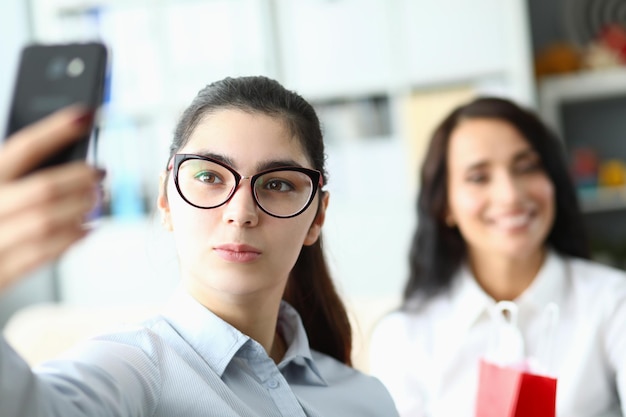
(75,67)
(56,68)
(59,67)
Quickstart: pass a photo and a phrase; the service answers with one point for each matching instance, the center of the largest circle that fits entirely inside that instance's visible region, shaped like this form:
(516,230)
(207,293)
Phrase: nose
(507,189)
(241,209)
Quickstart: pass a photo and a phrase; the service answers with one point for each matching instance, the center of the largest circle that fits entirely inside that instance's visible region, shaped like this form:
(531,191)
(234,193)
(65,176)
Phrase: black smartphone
(53,76)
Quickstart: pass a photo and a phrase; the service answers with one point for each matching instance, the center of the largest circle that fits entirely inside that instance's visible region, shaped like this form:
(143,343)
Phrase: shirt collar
(212,338)
(298,353)
(469,302)
(549,285)
(217,342)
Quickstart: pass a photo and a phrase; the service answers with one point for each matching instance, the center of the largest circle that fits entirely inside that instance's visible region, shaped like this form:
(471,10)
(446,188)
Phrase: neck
(254,316)
(505,278)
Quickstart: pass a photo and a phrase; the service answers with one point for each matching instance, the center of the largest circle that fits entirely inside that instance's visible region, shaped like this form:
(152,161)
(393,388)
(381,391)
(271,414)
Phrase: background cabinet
(331,49)
(448,41)
(586,107)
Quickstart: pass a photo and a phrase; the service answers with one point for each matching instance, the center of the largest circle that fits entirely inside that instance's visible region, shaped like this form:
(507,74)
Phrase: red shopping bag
(504,391)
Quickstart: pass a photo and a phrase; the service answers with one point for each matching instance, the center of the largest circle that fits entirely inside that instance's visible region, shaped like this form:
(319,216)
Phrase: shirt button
(272,383)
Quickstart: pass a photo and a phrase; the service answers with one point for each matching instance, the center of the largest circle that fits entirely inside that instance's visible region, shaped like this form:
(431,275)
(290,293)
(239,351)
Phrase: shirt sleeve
(125,382)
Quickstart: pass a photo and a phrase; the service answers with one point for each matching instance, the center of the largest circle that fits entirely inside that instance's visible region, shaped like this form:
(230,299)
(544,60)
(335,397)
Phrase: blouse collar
(469,302)
(218,342)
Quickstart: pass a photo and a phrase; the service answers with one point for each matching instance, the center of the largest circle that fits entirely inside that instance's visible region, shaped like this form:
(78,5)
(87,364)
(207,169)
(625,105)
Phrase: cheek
(466,203)
(291,233)
(185,227)
(544,194)
(294,233)
(187,221)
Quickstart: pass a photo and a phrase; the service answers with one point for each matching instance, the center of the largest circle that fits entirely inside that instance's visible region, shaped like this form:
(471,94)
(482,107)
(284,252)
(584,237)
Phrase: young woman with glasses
(257,328)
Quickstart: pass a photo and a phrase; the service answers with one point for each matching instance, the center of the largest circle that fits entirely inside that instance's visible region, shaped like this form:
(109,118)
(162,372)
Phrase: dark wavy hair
(437,250)
(310,289)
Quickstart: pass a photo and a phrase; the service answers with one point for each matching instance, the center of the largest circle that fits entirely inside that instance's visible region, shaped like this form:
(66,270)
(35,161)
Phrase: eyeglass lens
(207,184)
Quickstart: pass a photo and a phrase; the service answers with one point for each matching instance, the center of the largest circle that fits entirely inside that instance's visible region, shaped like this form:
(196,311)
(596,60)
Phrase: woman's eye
(207,177)
(278,185)
(477,178)
(528,167)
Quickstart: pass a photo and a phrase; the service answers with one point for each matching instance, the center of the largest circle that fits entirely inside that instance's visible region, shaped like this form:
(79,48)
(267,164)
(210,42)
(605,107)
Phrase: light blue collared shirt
(188,362)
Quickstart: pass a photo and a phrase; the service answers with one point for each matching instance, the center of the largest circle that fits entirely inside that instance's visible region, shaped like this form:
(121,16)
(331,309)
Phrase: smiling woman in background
(257,328)
(498,219)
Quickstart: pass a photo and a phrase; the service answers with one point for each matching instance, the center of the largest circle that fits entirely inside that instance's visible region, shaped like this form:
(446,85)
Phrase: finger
(47,186)
(32,145)
(22,259)
(43,222)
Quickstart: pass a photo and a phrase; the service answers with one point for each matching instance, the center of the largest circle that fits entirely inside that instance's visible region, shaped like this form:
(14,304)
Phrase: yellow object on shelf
(612,173)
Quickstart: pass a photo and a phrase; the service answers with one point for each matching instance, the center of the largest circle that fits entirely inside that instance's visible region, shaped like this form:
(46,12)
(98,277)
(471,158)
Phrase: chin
(520,252)
(236,285)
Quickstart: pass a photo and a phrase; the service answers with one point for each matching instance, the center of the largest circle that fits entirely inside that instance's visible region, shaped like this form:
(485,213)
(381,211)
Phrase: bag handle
(543,361)
(506,346)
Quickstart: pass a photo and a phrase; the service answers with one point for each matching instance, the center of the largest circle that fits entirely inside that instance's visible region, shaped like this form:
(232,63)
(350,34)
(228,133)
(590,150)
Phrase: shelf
(597,200)
(578,87)
(585,84)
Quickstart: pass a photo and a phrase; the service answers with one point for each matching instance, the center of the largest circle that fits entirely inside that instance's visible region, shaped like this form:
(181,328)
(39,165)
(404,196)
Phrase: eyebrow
(525,154)
(521,155)
(261,166)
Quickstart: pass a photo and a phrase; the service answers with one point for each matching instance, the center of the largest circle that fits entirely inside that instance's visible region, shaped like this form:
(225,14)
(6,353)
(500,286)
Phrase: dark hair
(310,289)
(437,250)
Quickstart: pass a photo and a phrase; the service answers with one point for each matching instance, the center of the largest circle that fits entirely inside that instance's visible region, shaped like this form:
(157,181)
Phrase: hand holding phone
(40,213)
(54,76)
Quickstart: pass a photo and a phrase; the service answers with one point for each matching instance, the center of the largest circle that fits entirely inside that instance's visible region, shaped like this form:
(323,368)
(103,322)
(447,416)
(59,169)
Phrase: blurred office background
(381,73)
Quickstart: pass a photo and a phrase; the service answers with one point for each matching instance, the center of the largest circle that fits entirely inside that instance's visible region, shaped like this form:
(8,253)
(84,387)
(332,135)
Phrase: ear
(163,204)
(316,227)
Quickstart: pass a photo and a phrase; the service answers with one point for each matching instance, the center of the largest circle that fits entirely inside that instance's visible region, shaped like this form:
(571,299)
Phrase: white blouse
(429,359)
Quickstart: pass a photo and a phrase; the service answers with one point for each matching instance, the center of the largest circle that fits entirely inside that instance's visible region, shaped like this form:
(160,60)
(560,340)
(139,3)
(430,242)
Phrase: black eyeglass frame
(317,181)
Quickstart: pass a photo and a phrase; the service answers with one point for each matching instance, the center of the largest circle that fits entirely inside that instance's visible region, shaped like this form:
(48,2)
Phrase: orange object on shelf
(612,173)
(558,58)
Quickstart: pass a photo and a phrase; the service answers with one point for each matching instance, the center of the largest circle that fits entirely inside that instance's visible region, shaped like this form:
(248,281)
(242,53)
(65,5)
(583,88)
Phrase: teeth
(514,221)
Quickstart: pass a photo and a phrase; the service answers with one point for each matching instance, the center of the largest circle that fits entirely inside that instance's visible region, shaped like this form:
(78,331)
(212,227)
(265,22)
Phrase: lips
(238,253)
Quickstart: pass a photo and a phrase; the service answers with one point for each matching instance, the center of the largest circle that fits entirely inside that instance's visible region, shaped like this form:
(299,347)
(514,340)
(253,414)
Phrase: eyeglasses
(281,192)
